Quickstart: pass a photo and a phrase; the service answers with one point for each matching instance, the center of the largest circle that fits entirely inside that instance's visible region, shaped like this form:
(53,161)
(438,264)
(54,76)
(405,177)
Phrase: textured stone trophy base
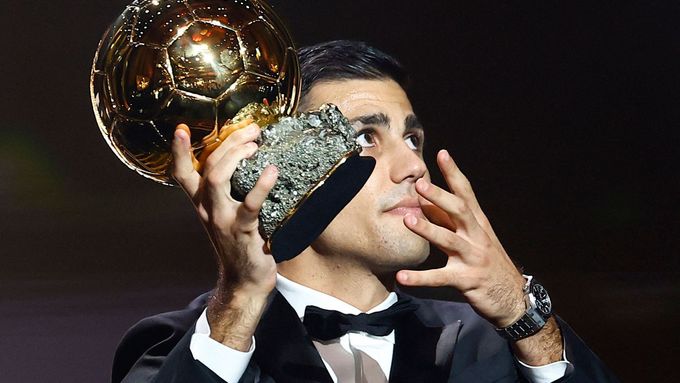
(320,171)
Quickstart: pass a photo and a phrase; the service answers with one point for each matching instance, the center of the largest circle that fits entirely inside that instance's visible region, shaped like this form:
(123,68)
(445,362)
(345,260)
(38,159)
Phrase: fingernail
(404,277)
(445,155)
(422,184)
(180,135)
(410,219)
(271,169)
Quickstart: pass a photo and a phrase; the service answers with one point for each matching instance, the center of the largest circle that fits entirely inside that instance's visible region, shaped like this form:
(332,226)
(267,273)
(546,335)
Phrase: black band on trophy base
(318,210)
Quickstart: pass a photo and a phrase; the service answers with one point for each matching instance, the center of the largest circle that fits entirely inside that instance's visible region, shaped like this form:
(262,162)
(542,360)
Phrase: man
(250,328)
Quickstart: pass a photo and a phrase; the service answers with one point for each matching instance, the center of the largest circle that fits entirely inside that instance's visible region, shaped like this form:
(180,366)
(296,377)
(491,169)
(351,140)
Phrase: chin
(408,250)
(417,253)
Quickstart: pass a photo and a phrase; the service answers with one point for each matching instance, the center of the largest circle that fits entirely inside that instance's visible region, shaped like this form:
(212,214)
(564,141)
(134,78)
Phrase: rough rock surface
(305,149)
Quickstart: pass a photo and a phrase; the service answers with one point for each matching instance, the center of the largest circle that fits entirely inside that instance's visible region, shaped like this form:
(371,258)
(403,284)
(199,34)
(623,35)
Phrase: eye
(365,139)
(413,142)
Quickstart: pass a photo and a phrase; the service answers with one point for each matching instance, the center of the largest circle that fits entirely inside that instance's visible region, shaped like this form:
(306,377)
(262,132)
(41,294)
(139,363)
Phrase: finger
(454,206)
(227,130)
(219,142)
(435,214)
(454,177)
(461,186)
(213,140)
(445,239)
(239,137)
(456,180)
(430,278)
(218,178)
(248,211)
(183,161)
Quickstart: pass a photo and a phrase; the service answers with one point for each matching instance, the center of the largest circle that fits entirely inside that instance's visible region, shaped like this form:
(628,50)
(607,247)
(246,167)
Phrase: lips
(406,206)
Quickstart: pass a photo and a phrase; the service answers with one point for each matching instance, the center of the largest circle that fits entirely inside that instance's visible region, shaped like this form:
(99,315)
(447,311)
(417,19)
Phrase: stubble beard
(398,248)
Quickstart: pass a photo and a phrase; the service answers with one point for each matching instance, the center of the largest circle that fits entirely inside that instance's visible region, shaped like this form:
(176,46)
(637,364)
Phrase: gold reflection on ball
(198,62)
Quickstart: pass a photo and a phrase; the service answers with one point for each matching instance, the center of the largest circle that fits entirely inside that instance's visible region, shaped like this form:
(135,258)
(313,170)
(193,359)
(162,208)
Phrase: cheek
(359,211)
(360,216)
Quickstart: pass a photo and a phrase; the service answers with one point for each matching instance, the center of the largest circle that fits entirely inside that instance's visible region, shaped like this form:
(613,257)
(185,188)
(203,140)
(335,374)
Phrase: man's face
(370,228)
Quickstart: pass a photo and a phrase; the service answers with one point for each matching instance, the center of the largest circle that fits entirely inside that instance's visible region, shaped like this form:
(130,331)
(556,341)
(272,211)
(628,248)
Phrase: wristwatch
(539,309)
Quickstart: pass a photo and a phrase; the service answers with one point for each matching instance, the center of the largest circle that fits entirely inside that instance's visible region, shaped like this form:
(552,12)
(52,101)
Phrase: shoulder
(155,335)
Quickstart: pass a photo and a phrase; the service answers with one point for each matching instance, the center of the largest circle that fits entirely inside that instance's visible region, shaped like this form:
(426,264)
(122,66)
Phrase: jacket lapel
(284,350)
(423,347)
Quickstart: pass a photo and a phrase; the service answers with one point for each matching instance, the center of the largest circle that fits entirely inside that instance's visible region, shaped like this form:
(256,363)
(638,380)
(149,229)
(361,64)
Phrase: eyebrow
(412,123)
(373,119)
(381,119)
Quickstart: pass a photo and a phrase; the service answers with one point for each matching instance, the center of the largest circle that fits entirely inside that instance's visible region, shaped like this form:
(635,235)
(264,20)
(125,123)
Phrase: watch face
(543,303)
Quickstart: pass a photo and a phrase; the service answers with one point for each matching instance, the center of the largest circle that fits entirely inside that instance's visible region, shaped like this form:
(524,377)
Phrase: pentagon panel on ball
(193,61)
(198,62)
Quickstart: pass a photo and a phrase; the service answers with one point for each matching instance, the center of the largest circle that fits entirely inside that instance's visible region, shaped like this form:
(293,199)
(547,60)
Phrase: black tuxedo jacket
(439,342)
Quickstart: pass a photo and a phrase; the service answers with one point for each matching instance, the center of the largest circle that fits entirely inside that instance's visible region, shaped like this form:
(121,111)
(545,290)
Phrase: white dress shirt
(230,364)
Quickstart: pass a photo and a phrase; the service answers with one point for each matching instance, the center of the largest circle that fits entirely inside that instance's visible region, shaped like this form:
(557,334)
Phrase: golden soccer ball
(198,62)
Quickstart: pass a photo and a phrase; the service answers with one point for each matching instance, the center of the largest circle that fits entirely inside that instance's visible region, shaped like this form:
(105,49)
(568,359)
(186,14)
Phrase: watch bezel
(539,298)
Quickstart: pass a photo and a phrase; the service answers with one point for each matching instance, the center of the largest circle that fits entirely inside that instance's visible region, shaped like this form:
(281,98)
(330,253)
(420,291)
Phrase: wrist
(233,317)
(538,310)
(544,347)
(515,306)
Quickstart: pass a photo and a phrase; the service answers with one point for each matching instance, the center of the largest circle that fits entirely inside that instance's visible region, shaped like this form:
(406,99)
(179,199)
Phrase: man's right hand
(247,271)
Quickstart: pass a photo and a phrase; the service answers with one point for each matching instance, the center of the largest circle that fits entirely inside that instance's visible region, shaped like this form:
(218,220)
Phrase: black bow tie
(330,324)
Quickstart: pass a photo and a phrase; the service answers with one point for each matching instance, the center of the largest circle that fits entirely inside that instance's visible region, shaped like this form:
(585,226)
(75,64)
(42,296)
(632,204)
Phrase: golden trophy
(208,63)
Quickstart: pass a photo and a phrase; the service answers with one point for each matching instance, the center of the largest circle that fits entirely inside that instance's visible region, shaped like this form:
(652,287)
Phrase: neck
(341,277)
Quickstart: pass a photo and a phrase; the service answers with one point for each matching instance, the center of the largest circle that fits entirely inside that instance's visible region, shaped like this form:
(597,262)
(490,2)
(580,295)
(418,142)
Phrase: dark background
(563,114)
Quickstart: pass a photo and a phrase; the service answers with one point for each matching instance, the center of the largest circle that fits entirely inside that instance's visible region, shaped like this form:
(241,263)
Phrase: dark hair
(347,60)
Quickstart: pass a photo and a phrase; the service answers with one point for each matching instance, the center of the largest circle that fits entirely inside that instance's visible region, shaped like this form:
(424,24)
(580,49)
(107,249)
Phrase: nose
(407,165)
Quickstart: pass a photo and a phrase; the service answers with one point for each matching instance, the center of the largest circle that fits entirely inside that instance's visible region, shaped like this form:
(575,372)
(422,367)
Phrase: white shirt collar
(299,297)
(379,348)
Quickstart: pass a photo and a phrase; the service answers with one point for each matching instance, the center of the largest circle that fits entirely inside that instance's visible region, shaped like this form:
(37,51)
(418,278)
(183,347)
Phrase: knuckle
(250,147)
(459,206)
(450,241)
(435,191)
(467,186)
(246,132)
(253,126)
(211,161)
(249,206)
(242,151)
(214,179)
(238,134)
